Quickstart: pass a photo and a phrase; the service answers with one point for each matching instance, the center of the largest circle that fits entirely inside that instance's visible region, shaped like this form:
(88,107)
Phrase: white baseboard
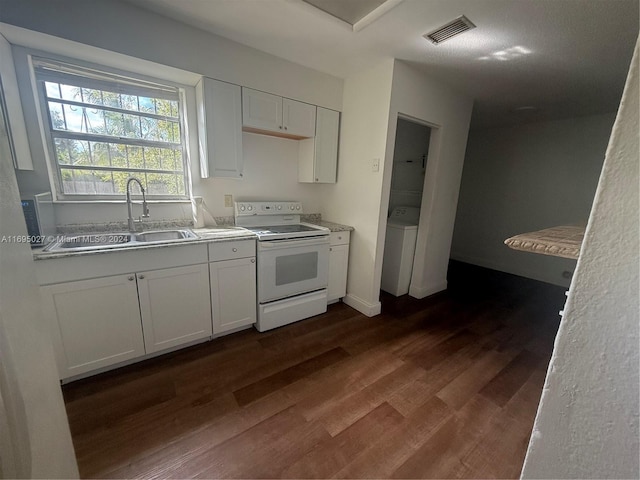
(369,309)
(422,292)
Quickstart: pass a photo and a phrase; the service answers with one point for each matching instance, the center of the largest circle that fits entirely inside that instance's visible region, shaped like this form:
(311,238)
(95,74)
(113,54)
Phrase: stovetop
(275,229)
(275,220)
(288,232)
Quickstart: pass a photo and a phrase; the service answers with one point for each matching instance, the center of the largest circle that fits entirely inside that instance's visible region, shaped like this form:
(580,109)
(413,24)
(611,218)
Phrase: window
(103,129)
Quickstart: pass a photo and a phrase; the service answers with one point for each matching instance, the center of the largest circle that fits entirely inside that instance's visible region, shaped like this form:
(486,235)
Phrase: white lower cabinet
(105,321)
(95,323)
(169,301)
(233,293)
(338,265)
(175,306)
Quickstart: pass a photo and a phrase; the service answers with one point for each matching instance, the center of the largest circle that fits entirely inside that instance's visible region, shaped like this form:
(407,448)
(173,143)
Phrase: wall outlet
(375,165)
(228,200)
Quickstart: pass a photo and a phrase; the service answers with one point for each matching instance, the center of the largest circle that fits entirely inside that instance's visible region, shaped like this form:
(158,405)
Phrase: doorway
(405,199)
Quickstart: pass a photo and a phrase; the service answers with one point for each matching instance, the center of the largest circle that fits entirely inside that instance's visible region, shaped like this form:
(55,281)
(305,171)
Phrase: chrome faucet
(145,208)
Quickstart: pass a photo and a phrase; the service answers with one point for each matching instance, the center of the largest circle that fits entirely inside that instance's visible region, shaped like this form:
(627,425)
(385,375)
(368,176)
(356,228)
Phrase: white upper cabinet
(219,128)
(274,115)
(318,156)
(298,118)
(261,110)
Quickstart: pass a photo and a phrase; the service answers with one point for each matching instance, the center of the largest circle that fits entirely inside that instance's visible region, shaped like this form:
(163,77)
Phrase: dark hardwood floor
(444,387)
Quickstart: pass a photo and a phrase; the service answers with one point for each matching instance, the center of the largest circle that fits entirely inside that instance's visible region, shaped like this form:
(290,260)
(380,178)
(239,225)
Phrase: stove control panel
(267,208)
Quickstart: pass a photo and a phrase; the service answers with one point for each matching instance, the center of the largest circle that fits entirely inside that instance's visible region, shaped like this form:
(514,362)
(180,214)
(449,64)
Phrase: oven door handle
(271,244)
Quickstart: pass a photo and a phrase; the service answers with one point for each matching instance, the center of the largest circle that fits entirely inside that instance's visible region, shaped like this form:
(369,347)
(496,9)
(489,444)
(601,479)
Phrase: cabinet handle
(280,127)
(331,249)
(317,180)
(285,128)
(253,260)
(130,279)
(141,277)
(234,249)
(339,238)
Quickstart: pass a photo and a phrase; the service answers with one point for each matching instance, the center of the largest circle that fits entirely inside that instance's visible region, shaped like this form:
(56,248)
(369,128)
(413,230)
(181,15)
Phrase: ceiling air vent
(451,29)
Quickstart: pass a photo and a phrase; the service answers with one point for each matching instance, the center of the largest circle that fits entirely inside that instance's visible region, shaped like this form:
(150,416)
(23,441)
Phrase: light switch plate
(228,200)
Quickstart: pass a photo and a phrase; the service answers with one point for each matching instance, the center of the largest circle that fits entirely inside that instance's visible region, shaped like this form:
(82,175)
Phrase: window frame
(111,77)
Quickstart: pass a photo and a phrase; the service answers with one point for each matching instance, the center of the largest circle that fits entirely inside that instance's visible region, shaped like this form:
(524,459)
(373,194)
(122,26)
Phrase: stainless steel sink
(164,235)
(91,241)
(118,240)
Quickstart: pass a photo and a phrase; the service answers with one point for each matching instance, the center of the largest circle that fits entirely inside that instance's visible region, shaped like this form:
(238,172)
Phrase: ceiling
(556,58)
(351,11)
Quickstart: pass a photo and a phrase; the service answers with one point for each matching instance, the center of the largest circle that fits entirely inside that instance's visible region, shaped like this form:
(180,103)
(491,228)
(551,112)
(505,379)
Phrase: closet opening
(410,159)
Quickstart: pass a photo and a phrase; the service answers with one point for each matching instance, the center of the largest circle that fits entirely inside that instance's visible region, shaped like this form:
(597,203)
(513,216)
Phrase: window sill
(120,202)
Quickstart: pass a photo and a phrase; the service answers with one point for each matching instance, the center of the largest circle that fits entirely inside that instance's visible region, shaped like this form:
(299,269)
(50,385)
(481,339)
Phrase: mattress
(562,241)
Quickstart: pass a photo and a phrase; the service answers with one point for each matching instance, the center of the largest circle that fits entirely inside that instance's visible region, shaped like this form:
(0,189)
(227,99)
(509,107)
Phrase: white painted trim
(372,16)
(95,55)
(369,309)
(17,127)
(422,292)
(9,464)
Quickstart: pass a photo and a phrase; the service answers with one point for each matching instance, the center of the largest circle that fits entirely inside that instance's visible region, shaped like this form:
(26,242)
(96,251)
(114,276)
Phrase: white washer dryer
(399,248)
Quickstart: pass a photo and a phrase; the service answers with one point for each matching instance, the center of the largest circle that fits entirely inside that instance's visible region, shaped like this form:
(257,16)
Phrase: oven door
(291,267)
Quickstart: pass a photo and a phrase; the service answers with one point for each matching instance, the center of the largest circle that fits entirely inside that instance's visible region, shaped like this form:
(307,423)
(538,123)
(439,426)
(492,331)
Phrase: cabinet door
(175,306)
(318,156)
(338,264)
(326,146)
(261,110)
(95,323)
(298,118)
(233,293)
(220,128)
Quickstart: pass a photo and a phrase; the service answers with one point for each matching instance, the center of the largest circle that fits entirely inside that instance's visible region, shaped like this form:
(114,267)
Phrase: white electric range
(293,262)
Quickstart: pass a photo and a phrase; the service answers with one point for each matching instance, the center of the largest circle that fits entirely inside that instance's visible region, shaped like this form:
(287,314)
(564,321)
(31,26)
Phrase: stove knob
(297,207)
(242,207)
(279,207)
(291,207)
(249,208)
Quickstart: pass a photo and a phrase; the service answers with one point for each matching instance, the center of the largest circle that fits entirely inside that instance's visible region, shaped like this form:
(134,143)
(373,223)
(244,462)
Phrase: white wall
(415,95)
(121,27)
(524,178)
(356,198)
(34,433)
(373,100)
(153,38)
(270,173)
(587,422)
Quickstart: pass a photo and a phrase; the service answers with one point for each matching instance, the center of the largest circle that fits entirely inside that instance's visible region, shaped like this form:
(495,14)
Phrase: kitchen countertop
(223,233)
(205,235)
(334,227)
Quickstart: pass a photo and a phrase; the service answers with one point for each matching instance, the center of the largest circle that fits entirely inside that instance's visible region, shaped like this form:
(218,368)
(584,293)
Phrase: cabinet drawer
(229,250)
(339,238)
